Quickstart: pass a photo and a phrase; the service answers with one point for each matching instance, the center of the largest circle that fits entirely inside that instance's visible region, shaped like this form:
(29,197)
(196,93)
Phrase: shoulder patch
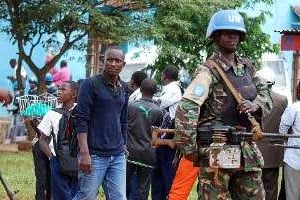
(199,90)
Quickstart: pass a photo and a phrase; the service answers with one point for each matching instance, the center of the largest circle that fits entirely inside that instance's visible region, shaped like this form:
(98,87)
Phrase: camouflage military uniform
(206,101)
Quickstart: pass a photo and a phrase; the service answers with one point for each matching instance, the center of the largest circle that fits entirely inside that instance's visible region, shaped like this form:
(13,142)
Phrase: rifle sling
(257,134)
(225,79)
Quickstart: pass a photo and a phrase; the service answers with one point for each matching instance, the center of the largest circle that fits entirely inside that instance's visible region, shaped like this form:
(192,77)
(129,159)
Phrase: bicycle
(34,107)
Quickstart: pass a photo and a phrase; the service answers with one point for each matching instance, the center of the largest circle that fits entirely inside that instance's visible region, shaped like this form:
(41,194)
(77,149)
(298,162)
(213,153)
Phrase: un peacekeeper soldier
(207,102)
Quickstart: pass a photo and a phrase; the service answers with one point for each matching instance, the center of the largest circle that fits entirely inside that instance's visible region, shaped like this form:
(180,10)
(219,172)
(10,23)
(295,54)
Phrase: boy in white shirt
(62,186)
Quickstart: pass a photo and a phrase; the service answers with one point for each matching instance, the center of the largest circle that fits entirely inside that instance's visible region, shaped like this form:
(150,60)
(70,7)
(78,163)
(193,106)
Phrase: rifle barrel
(274,135)
(236,133)
(286,146)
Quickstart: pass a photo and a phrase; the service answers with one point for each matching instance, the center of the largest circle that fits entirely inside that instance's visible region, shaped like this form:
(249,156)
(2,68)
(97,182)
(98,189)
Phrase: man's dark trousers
(142,178)
(132,188)
(281,195)
(163,173)
(270,180)
(42,173)
(62,186)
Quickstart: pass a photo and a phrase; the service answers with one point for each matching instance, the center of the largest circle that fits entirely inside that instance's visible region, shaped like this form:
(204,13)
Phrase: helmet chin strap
(223,50)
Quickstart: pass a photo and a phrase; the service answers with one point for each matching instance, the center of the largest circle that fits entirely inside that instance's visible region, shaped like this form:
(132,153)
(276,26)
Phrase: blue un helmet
(48,78)
(226,20)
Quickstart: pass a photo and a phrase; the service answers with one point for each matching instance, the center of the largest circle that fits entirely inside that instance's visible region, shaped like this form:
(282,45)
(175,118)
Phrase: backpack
(66,146)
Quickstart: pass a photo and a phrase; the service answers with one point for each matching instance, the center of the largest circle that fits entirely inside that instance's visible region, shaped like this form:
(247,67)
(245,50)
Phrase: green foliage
(67,17)
(179,30)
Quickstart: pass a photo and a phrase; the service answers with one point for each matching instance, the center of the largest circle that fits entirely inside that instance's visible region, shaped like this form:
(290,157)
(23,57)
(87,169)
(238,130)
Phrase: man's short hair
(115,47)
(148,86)
(63,63)
(73,85)
(171,72)
(13,60)
(137,77)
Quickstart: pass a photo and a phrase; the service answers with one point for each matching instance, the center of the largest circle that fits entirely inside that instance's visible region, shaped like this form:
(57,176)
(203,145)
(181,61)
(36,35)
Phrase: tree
(179,28)
(62,24)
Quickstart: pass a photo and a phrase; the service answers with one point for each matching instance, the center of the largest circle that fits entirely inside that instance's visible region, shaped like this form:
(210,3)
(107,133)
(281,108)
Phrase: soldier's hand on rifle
(181,137)
(85,163)
(247,106)
(184,138)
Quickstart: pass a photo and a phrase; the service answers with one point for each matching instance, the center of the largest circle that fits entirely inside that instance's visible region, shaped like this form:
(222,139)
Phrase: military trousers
(230,184)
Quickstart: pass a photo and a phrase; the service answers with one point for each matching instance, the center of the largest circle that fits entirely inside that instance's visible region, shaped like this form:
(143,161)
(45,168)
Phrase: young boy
(62,186)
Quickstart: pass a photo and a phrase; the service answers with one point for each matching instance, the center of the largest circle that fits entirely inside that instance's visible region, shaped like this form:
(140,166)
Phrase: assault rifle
(10,194)
(205,136)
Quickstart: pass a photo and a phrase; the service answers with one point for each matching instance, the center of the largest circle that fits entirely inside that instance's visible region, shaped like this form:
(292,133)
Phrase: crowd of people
(113,122)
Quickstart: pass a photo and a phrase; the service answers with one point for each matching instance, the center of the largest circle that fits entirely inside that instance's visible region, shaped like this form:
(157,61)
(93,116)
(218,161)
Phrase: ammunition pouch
(216,145)
(206,136)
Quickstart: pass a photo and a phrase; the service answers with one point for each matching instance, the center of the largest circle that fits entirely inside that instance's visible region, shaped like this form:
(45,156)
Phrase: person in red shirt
(61,75)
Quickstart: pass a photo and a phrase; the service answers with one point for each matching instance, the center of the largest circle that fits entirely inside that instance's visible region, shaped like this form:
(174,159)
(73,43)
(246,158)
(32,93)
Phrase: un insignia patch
(199,90)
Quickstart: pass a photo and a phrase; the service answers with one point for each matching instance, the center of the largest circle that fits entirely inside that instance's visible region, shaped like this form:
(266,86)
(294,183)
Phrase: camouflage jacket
(206,87)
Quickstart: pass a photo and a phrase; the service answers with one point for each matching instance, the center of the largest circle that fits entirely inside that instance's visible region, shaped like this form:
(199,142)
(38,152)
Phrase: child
(62,186)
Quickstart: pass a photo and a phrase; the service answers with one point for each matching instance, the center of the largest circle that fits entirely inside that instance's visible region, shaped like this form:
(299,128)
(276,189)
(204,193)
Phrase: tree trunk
(41,82)
(21,83)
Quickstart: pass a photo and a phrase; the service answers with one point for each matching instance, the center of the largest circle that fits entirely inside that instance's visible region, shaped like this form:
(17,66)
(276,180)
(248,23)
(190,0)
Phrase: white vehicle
(274,68)
(138,59)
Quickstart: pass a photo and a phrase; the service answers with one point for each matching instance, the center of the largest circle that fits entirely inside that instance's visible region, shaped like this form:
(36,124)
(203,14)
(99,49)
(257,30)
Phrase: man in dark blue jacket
(101,124)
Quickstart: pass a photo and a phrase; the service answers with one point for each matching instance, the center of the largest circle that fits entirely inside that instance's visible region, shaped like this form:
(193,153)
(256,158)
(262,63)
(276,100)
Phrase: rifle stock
(157,141)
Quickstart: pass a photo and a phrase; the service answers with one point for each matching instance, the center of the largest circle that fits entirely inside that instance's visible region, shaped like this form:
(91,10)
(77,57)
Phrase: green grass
(18,172)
